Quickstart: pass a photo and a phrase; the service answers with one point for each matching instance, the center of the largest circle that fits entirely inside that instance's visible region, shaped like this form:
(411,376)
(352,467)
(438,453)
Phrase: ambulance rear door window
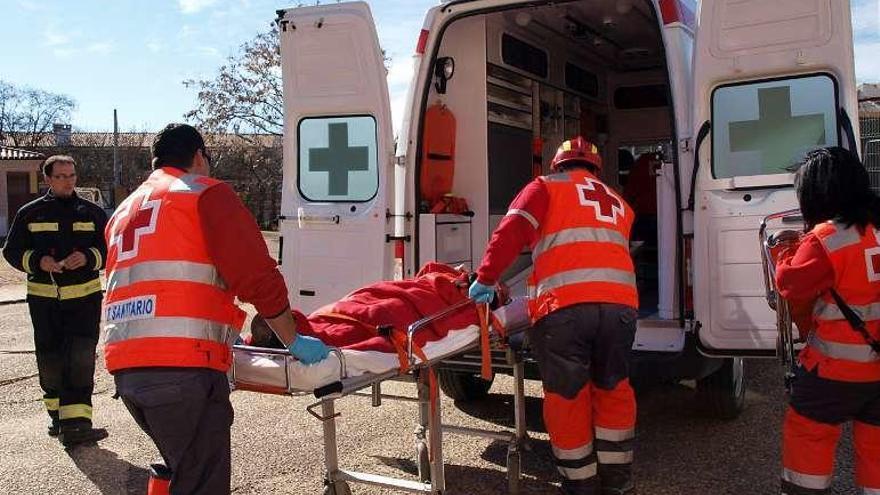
(338,159)
(765,127)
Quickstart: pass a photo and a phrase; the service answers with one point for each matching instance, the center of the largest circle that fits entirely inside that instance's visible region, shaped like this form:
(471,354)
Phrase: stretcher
(420,371)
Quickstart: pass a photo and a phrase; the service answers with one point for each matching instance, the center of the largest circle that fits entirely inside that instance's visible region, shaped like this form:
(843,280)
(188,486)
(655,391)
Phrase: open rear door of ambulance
(338,152)
(773,79)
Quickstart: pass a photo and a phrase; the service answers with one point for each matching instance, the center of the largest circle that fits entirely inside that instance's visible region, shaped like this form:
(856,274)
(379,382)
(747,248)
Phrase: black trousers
(66,335)
(187,414)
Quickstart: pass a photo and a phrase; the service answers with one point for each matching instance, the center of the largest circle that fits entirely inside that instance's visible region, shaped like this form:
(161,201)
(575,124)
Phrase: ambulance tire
(463,386)
(337,488)
(722,394)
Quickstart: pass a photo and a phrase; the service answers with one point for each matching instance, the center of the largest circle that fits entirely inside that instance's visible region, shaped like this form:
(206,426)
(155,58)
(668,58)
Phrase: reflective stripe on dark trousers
(818,409)
(583,352)
(65,337)
(187,414)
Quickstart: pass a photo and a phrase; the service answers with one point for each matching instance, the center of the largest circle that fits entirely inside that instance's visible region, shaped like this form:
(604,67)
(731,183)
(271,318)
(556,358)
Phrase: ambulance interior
(524,80)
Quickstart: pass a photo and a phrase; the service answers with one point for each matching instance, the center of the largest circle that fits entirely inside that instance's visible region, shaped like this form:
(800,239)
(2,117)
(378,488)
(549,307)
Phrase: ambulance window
(765,127)
(635,97)
(523,56)
(338,159)
(581,80)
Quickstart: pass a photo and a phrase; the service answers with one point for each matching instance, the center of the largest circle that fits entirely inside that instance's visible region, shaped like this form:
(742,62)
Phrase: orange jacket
(582,252)
(166,304)
(835,347)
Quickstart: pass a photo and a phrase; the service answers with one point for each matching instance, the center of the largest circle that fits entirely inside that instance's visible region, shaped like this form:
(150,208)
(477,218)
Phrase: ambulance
(723,97)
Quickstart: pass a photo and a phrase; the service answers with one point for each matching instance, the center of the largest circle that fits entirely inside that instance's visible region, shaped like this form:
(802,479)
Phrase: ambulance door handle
(303,218)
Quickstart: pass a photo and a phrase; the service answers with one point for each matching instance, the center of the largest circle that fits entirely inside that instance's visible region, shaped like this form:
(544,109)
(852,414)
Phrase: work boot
(73,435)
(580,487)
(54,428)
(619,486)
(616,479)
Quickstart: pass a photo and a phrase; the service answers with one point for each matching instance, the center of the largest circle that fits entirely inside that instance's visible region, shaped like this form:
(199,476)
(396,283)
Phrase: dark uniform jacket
(57,227)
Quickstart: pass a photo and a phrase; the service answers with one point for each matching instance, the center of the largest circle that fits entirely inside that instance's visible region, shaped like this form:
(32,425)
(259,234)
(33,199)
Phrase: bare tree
(244,97)
(27,114)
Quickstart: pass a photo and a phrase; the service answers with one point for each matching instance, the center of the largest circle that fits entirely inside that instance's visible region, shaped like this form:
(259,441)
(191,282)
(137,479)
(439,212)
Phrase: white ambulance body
(749,84)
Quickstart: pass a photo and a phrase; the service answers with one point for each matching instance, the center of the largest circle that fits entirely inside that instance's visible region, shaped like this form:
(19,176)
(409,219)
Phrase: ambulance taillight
(422,44)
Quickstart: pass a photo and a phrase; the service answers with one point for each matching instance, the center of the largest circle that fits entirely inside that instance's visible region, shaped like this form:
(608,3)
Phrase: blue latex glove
(481,293)
(308,350)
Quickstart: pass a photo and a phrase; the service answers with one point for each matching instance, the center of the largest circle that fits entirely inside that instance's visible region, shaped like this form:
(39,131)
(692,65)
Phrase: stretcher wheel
(337,488)
(424,460)
(514,472)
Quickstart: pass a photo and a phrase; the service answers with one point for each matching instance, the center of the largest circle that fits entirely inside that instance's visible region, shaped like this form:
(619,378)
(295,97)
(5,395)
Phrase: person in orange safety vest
(583,303)
(833,272)
(181,248)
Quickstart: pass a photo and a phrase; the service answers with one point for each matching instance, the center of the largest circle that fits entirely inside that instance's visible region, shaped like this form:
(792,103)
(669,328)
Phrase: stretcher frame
(430,428)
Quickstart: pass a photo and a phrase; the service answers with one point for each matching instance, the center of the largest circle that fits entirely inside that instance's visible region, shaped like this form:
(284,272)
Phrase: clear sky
(134,54)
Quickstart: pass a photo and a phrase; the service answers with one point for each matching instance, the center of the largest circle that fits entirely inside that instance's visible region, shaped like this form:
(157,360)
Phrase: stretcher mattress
(267,370)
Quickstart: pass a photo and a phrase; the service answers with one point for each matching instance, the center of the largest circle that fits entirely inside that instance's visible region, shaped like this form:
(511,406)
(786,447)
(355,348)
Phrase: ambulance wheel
(723,393)
(463,386)
(514,472)
(424,462)
(337,488)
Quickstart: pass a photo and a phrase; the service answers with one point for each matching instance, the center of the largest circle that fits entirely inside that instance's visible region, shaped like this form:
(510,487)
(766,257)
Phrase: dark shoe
(580,487)
(73,436)
(54,428)
(627,489)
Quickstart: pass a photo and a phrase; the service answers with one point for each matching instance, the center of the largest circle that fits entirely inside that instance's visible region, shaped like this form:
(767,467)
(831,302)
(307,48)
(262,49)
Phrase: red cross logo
(607,205)
(872,259)
(139,219)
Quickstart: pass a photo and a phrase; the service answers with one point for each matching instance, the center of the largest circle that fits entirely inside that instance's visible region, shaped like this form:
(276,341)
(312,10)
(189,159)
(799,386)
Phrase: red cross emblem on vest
(137,218)
(872,259)
(607,205)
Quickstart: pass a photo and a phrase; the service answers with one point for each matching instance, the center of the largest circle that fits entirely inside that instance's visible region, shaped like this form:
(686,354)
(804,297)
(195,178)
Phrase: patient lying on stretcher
(369,326)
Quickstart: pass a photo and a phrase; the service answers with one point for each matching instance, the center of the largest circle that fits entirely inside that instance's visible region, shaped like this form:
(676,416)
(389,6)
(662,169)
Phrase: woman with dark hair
(832,267)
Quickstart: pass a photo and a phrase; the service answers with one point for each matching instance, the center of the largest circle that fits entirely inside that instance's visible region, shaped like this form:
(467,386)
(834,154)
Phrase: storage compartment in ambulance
(522,81)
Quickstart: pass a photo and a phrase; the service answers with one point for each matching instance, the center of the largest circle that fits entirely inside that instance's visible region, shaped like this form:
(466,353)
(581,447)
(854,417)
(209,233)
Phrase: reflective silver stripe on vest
(560,177)
(579,234)
(811,481)
(615,457)
(573,454)
(870,491)
(170,326)
(825,310)
(581,473)
(178,271)
(188,183)
(860,353)
(582,275)
(844,237)
(614,435)
(523,213)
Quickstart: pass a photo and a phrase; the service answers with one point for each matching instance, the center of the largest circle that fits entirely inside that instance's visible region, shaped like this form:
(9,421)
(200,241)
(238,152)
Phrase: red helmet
(577,149)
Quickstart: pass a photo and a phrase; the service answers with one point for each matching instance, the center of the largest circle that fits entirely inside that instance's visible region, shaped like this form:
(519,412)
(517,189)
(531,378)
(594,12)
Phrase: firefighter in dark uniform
(58,240)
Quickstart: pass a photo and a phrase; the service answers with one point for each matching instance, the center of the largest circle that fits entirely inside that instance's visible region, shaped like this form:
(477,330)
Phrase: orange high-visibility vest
(582,252)
(840,352)
(166,304)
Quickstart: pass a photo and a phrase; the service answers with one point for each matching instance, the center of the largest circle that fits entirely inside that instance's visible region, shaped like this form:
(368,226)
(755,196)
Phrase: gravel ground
(278,447)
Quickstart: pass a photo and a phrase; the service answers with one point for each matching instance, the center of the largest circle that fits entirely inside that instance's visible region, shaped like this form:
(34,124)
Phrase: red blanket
(398,304)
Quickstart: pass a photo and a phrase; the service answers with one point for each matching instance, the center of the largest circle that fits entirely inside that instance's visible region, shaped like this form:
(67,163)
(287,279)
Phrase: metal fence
(870,130)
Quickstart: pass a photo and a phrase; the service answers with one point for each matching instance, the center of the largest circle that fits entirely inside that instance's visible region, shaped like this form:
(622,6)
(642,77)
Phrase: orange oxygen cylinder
(438,154)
